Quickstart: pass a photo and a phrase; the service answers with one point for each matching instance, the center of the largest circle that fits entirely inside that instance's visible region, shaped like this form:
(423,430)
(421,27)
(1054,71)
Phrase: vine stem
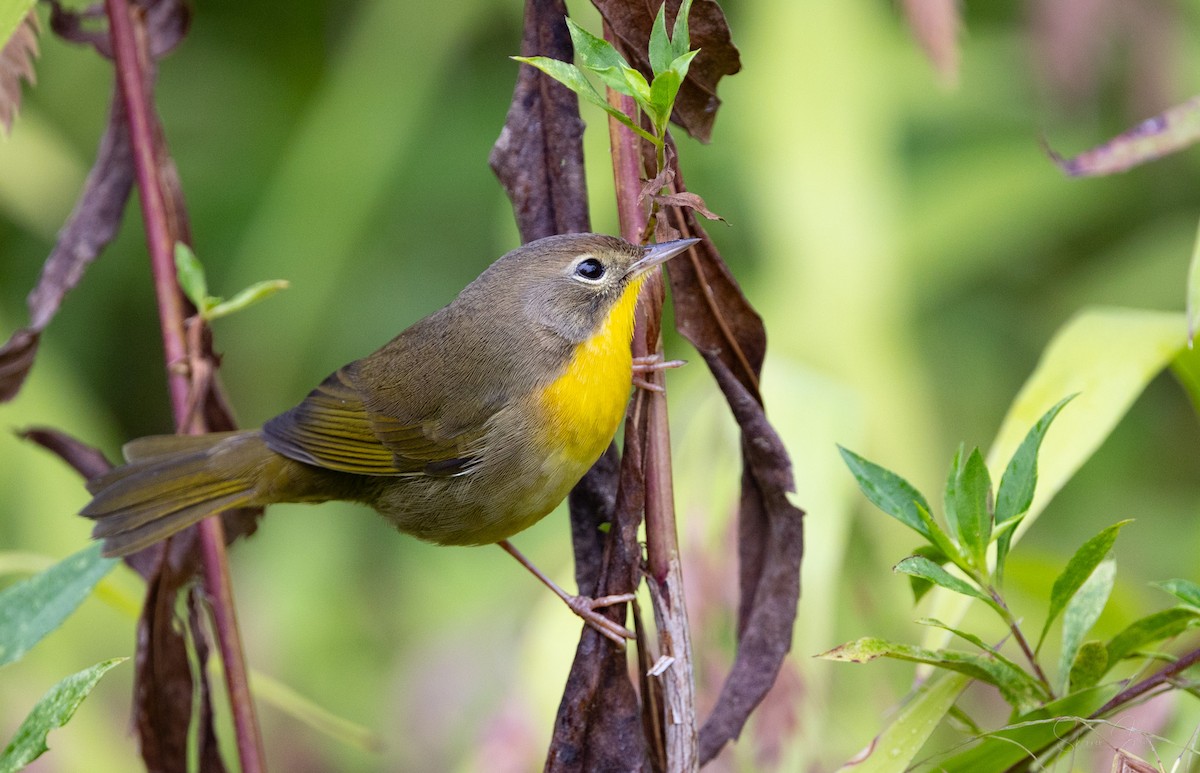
(132,67)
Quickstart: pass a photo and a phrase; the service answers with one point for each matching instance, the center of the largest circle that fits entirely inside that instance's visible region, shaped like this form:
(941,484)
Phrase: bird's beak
(657,254)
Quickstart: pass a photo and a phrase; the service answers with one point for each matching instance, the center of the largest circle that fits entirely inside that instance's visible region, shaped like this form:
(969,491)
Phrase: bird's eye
(590,270)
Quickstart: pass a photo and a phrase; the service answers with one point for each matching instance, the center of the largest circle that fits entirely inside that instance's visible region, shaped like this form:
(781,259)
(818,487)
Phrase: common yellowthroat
(466,428)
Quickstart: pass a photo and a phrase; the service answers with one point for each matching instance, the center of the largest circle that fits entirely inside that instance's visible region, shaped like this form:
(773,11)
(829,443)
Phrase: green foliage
(1079,594)
(194,283)
(32,608)
(54,710)
(669,61)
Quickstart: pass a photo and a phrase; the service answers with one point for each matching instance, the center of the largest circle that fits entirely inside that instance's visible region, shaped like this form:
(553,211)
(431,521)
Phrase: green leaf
(661,52)
(970,638)
(680,37)
(941,541)
(34,607)
(894,749)
(1004,748)
(190,274)
(662,99)
(972,491)
(54,710)
(919,585)
(1186,591)
(888,491)
(1077,571)
(570,76)
(1082,612)
(920,566)
(637,86)
(1088,666)
(598,56)
(682,63)
(949,495)
(1019,481)
(256,292)
(1018,688)
(1149,629)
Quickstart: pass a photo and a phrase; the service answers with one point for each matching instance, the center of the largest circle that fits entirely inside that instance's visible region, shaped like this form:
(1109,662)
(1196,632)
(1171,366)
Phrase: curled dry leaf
(16,64)
(936,23)
(1169,131)
(84,459)
(697,103)
(92,225)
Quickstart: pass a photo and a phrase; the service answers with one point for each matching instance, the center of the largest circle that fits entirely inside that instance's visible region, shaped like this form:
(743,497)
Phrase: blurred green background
(911,248)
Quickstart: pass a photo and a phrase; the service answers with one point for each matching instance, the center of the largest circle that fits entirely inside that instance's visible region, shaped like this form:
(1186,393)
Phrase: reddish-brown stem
(132,67)
(1139,689)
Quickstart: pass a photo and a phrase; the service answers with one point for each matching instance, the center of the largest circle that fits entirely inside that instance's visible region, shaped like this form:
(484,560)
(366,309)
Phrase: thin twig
(132,65)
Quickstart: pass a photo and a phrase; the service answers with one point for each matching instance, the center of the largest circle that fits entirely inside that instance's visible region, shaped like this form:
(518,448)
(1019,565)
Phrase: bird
(465,429)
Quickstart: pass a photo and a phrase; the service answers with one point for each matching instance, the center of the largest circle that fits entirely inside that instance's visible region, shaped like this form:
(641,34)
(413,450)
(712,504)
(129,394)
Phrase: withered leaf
(538,156)
(16,64)
(697,103)
(92,225)
(714,315)
(166,21)
(84,459)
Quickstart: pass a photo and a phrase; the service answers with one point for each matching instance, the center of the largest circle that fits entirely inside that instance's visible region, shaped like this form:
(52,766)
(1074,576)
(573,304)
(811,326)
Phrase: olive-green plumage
(464,429)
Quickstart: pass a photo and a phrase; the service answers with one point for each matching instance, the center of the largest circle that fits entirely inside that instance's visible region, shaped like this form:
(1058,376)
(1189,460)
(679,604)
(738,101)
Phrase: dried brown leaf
(166,21)
(16,64)
(714,315)
(84,459)
(936,23)
(92,225)
(697,103)
(538,156)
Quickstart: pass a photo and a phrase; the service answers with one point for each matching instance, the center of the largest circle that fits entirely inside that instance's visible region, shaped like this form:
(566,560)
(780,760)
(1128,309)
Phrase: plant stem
(662,549)
(1021,641)
(1149,683)
(132,67)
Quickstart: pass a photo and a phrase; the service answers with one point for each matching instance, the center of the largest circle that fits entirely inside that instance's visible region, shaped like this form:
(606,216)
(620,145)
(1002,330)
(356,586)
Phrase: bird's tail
(170,482)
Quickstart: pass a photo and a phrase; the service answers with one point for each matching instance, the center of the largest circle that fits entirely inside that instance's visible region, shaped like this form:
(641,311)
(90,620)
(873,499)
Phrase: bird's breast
(582,407)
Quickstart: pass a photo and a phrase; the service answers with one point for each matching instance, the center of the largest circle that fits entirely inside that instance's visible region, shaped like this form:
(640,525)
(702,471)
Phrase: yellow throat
(584,406)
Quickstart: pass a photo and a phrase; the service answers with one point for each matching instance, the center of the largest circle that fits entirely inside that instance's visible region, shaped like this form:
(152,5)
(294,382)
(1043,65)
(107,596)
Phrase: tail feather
(171,482)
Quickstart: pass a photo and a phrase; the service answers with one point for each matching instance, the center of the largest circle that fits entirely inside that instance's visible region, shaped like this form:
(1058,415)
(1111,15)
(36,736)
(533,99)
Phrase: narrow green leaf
(1082,612)
(34,607)
(1077,571)
(948,496)
(598,56)
(256,292)
(894,749)
(940,540)
(1088,666)
(682,63)
(1019,481)
(888,491)
(1149,629)
(190,274)
(1018,688)
(637,86)
(970,638)
(660,49)
(920,566)
(919,585)
(570,76)
(662,99)
(681,39)
(972,491)
(1186,591)
(54,710)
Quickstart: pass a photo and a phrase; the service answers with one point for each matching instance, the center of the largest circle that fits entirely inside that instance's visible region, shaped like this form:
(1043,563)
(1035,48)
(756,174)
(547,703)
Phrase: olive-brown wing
(332,428)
